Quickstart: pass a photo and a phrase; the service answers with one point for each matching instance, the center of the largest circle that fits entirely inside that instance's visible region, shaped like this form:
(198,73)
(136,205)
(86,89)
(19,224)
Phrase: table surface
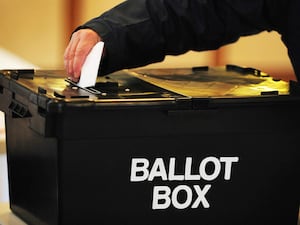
(7,217)
(10,60)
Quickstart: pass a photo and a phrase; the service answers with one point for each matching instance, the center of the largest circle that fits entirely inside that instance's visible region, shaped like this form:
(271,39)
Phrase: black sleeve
(139,32)
(291,35)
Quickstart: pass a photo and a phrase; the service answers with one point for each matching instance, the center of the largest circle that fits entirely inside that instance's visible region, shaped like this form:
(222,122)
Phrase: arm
(291,35)
(139,32)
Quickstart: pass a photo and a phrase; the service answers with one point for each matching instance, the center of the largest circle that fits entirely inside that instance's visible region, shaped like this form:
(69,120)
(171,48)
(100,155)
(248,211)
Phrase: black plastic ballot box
(203,145)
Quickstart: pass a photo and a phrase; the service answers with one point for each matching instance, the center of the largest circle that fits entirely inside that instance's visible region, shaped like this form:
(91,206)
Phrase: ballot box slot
(118,87)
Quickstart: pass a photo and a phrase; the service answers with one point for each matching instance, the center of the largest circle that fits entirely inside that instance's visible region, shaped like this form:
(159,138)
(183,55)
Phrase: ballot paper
(90,67)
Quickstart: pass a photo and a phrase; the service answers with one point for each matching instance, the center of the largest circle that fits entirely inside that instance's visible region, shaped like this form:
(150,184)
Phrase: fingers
(69,56)
(77,50)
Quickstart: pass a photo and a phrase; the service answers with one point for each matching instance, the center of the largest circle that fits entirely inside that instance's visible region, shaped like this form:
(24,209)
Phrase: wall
(264,51)
(34,30)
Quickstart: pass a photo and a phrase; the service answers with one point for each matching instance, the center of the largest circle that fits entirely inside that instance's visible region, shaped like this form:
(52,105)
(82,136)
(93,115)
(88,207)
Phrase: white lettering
(172,175)
(189,196)
(182,196)
(161,197)
(201,196)
(188,170)
(209,169)
(139,166)
(215,173)
(228,165)
(158,170)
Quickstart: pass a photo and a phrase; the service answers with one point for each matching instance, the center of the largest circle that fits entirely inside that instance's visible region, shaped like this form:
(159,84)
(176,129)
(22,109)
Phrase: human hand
(81,43)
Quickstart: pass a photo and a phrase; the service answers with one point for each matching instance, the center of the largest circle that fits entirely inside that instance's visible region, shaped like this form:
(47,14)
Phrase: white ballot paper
(89,70)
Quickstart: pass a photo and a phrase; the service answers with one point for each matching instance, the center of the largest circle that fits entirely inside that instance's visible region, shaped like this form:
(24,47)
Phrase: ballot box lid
(175,88)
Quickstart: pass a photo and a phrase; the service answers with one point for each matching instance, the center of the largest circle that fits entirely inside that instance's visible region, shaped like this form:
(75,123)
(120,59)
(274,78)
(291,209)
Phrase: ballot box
(203,145)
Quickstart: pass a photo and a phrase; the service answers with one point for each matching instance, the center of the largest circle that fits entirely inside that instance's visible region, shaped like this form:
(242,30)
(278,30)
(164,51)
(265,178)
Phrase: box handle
(19,110)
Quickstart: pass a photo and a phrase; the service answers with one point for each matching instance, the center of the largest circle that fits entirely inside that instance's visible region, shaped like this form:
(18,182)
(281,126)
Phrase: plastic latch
(274,93)
(200,68)
(42,91)
(89,89)
(23,73)
(58,95)
(246,70)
